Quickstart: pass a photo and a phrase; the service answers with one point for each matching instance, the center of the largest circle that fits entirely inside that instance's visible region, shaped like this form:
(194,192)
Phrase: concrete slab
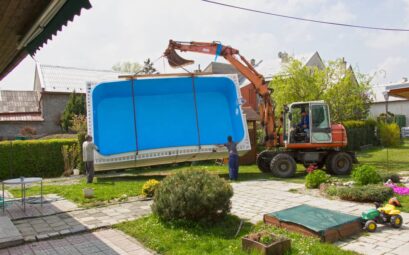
(9,235)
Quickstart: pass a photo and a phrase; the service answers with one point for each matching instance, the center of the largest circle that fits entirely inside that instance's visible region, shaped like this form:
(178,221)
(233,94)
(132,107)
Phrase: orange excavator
(302,134)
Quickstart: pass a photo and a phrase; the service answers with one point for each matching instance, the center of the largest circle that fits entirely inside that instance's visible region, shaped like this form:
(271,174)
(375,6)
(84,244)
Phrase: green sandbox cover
(314,218)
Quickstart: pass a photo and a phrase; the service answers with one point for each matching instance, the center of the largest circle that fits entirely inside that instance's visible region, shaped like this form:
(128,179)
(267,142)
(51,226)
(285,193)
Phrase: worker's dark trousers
(233,166)
(89,171)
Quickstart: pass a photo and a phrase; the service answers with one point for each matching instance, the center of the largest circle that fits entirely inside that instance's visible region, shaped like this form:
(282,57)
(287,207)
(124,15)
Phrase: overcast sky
(131,30)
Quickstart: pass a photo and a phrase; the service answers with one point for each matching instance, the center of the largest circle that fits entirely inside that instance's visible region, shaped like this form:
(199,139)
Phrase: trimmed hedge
(366,193)
(360,133)
(41,158)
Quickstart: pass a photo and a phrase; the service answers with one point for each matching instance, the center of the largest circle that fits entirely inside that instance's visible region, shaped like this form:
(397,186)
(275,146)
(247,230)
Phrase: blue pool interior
(164,113)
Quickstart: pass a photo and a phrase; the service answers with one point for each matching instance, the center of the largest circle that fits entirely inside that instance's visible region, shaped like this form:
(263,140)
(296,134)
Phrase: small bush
(367,193)
(315,178)
(70,154)
(28,131)
(332,190)
(366,174)
(149,187)
(394,177)
(192,195)
(389,134)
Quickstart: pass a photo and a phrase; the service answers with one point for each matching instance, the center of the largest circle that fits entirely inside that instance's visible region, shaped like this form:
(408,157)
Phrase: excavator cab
(308,122)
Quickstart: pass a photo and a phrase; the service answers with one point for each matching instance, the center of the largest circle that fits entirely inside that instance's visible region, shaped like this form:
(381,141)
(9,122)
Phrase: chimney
(344,64)
(253,62)
(283,56)
(404,79)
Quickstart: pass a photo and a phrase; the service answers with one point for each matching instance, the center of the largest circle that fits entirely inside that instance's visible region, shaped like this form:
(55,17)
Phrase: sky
(133,30)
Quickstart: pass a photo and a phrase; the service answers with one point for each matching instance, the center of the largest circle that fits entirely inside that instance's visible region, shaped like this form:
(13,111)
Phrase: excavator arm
(232,55)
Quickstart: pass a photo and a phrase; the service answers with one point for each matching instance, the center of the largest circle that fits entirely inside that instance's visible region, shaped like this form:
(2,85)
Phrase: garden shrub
(192,195)
(367,193)
(42,158)
(389,134)
(149,187)
(394,177)
(81,140)
(366,174)
(315,178)
(70,154)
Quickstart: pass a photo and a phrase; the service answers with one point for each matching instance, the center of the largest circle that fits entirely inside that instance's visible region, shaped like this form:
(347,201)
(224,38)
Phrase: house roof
(274,66)
(20,106)
(25,26)
(19,101)
(61,79)
(397,92)
(251,115)
(29,116)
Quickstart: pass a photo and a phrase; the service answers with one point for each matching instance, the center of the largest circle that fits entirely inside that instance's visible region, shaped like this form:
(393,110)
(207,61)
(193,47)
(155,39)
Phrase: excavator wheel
(339,163)
(263,161)
(283,165)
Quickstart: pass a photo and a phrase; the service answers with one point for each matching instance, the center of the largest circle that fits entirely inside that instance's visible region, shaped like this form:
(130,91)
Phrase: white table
(23,181)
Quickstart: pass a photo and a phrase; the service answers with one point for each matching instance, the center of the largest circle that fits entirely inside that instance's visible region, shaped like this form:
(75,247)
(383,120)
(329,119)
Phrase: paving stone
(41,237)
(9,234)
(65,232)
(28,238)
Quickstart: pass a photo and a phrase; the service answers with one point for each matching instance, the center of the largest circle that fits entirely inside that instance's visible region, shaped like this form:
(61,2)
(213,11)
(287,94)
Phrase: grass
(105,190)
(246,172)
(404,201)
(182,238)
(398,158)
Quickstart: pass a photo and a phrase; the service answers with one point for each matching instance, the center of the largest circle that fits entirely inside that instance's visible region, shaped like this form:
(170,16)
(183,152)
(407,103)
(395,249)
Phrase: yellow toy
(382,215)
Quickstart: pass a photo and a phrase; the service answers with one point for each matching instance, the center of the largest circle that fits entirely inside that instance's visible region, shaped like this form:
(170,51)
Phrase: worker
(305,121)
(88,148)
(233,158)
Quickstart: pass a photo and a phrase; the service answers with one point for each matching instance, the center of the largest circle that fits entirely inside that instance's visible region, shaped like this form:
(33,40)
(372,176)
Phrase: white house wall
(395,107)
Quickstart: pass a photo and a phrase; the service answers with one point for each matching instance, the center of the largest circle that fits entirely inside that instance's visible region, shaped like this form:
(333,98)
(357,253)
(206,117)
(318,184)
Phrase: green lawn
(404,200)
(105,189)
(184,238)
(246,172)
(398,158)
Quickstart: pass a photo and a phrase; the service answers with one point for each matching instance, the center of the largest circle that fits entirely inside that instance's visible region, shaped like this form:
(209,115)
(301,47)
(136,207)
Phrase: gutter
(41,23)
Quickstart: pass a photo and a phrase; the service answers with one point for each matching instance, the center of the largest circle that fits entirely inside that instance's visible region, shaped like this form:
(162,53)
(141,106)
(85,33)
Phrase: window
(320,118)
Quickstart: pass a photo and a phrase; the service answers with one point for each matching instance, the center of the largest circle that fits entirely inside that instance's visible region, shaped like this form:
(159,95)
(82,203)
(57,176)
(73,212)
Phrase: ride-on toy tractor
(381,215)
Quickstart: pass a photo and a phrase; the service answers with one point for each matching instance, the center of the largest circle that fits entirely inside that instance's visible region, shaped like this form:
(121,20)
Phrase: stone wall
(52,106)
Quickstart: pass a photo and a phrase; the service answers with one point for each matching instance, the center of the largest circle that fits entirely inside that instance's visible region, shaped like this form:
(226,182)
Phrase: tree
(347,95)
(127,67)
(75,106)
(297,83)
(148,67)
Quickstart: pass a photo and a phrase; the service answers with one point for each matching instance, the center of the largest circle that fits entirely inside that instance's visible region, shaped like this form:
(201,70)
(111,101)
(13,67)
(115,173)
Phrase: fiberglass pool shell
(149,114)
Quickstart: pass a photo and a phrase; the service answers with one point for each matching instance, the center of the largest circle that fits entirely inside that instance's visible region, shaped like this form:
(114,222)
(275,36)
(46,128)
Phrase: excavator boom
(232,55)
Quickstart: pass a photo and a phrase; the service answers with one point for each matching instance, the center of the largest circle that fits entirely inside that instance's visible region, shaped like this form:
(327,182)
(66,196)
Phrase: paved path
(253,199)
(41,228)
(53,204)
(104,242)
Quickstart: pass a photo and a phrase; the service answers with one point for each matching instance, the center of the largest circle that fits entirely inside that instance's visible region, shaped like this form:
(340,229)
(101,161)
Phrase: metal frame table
(23,181)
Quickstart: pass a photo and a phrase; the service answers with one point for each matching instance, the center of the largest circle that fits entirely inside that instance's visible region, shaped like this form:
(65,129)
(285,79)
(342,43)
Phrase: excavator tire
(339,163)
(263,161)
(283,165)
